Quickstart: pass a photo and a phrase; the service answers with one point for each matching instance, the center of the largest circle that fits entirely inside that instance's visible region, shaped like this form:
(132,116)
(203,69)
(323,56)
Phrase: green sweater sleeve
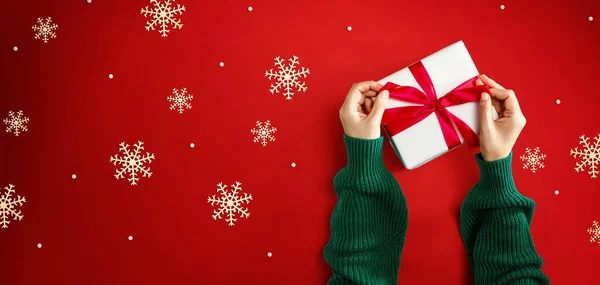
(495,227)
(368,224)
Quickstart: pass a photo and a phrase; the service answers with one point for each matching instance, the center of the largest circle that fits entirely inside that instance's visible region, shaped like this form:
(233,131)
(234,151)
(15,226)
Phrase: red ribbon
(396,120)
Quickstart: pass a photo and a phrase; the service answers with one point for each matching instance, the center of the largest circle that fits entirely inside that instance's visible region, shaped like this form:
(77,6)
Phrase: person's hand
(361,114)
(499,136)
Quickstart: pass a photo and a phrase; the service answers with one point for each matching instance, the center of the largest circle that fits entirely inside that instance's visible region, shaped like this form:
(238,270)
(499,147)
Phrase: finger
(486,121)
(379,106)
(376,87)
(497,105)
(355,94)
(370,93)
(490,82)
(368,105)
(478,82)
(368,85)
(508,98)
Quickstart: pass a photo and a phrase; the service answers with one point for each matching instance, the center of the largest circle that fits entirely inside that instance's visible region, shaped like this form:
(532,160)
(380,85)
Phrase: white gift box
(424,141)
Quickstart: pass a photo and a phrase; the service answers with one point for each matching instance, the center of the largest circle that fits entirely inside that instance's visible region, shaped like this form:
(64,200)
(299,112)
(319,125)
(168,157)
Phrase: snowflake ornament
(180,100)
(132,163)
(163,15)
(230,203)
(16,123)
(288,77)
(594,232)
(533,159)
(9,205)
(263,132)
(589,154)
(45,30)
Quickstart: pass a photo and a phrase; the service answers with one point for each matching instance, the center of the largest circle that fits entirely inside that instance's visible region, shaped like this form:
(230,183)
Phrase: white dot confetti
(293,164)
(73,176)
(557,101)
(89,1)
(590,18)
(556,192)
(15,48)
(502,7)
(269,254)
(192,145)
(39,245)
(349,28)
(130,237)
(110,76)
(221,64)
(250,9)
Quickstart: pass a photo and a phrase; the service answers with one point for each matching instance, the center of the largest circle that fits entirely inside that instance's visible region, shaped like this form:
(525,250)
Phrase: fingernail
(485,96)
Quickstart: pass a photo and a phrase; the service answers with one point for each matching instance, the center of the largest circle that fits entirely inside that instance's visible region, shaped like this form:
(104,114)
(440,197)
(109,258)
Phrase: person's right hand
(497,137)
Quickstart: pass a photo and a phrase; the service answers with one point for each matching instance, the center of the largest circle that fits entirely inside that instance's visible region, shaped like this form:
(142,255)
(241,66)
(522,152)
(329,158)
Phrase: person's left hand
(361,114)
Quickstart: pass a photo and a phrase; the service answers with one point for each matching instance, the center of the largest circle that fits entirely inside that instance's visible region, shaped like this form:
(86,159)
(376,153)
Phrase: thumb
(379,106)
(486,121)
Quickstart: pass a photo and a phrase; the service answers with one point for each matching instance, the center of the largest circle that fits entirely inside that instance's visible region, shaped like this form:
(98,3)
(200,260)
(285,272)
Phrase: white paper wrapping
(424,141)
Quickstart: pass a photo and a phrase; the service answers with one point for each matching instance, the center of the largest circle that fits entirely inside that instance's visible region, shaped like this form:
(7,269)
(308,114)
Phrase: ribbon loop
(396,120)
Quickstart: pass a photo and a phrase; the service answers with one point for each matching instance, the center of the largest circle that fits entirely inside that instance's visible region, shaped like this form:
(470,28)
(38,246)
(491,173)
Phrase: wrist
(361,134)
(490,157)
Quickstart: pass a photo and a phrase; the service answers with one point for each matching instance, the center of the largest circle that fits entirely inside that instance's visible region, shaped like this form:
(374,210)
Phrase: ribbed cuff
(496,175)
(364,153)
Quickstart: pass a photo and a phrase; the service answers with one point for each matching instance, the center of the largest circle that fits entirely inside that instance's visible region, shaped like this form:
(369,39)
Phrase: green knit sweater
(368,224)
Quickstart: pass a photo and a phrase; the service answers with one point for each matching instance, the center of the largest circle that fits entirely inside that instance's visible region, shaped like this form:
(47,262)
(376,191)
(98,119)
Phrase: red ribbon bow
(396,120)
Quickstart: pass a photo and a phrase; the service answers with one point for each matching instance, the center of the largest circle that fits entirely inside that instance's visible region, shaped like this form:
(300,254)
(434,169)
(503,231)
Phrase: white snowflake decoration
(180,100)
(163,15)
(533,160)
(288,77)
(16,123)
(230,203)
(589,154)
(45,29)
(594,231)
(263,132)
(132,162)
(8,206)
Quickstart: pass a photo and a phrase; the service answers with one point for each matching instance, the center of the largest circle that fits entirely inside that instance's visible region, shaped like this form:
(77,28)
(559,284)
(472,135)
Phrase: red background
(543,50)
